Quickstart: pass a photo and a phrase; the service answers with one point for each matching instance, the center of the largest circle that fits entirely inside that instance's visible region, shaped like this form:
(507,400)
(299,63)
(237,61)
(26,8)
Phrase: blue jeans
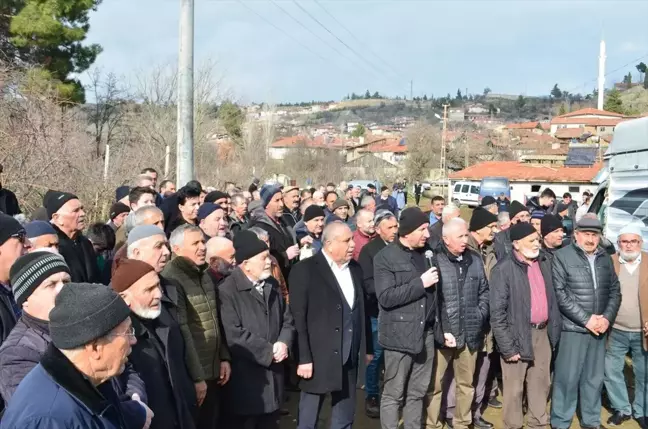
(372,377)
(619,344)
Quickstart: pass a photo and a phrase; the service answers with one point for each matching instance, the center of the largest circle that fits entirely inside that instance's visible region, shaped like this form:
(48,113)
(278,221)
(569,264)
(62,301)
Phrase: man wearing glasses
(628,332)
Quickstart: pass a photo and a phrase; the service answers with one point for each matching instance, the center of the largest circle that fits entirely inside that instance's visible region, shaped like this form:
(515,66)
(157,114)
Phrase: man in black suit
(327,301)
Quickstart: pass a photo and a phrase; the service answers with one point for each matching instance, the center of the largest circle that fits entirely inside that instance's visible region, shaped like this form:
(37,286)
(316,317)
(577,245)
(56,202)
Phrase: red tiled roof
(516,171)
(523,126)
(592,122)
(590,111)
(569,133)
(546,126)
(319,141)
(386,145)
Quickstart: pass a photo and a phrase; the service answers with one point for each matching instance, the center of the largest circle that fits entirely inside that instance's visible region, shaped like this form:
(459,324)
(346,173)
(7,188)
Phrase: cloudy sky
(262,54)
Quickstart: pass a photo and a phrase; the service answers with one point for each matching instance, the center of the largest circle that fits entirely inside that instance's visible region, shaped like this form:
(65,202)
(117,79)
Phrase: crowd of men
(196,307)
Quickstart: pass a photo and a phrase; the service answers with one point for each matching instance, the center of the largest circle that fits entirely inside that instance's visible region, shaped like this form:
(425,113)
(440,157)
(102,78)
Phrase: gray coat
(462,311)
(510,306)
(577,297)
(252,324)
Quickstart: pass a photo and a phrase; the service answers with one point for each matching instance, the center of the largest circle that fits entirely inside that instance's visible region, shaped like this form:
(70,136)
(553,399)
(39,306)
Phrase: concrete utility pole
(443,166)
(601,76)
(106,163)
(184,151)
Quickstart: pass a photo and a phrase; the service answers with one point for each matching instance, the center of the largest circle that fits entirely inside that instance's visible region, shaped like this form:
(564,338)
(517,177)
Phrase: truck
(622,195)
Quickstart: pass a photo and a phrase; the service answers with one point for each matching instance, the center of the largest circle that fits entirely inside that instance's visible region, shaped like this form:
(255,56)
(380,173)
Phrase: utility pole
(443,166)
(466,151)
(184,151)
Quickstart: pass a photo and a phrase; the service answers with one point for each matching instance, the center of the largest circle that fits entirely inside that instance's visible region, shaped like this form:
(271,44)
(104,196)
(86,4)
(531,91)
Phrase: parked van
(622,196)
(466,193)
(494,186)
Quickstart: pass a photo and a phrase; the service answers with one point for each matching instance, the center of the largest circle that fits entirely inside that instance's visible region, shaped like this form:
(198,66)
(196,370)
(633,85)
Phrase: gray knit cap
(84,312)
(143,231)
(30,270)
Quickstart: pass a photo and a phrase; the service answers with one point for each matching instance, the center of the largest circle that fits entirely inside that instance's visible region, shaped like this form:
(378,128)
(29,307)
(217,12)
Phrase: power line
(388,66)
(372,66)
(284,32)
(309,30)
(610,72)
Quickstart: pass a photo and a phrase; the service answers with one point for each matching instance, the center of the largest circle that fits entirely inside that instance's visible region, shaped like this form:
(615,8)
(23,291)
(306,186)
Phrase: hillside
(635,99)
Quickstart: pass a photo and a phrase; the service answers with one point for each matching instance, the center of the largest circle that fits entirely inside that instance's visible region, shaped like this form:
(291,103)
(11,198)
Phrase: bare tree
(423,150)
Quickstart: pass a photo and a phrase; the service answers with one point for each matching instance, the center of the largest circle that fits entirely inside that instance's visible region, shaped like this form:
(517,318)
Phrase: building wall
(520,190)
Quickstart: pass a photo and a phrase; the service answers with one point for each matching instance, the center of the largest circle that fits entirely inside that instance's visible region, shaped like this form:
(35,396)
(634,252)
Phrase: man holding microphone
(405,276)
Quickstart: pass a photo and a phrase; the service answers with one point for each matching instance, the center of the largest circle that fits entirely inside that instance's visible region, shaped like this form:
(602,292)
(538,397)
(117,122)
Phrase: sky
(259,53)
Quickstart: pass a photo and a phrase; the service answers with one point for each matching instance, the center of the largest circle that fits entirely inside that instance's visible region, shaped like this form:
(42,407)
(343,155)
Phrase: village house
(527,179)
(586,124)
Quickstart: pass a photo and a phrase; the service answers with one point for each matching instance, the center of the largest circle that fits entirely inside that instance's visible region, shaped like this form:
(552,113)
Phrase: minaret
(601,76)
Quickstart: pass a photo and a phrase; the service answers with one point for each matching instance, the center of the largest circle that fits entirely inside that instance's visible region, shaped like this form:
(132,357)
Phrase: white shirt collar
(333,264)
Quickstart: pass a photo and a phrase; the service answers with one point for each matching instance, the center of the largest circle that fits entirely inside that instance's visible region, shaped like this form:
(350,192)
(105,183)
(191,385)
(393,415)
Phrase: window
(602,129)
(457,187)
(574,189)
(535,188)
(474,189)
(464,189)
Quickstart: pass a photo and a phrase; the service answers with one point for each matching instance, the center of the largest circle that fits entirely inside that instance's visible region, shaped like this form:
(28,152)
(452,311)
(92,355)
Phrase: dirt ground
(363,422)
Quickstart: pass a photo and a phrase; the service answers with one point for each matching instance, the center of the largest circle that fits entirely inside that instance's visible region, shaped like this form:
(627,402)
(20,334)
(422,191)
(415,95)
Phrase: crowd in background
(194,307)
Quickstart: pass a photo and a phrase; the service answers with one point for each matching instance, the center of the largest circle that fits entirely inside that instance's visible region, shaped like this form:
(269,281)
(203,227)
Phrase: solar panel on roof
(402,142)
(581,156)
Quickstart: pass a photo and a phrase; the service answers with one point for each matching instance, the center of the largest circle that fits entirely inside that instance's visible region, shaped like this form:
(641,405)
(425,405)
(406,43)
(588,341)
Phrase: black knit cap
(488,200)
(9,227)
(55,200)
(30,270)
(215,196)
(549,224)
(247,245)
(85,312)
(410,219)
(481,218)
(521,230)
(516,207)
(312,212)
(118,208)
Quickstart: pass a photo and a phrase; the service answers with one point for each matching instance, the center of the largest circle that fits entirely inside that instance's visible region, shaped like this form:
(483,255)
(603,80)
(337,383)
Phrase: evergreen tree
(556,93)
(613,102)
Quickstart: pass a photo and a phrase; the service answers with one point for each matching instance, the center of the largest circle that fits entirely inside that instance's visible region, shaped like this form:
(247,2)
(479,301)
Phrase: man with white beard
(159,354)
(259,330)
(628,334)
(526,323)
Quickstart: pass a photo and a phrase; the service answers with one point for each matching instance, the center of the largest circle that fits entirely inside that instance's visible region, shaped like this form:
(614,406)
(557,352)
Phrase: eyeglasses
(20,235)
(633,242)
(129,333)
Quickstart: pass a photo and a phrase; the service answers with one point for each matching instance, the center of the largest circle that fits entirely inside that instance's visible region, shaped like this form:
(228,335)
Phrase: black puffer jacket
(510,306)
(502,244)
(577,297)
(462,311)
(401,298)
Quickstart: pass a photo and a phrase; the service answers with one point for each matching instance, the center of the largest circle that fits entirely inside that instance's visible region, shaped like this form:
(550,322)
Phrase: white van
(465,193)
(622,196)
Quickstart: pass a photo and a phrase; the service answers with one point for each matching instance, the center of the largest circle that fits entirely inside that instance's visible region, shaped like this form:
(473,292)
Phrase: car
(465,193)
(363,184)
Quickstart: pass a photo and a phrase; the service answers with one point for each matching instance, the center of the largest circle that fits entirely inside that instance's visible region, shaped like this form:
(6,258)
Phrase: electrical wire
(609,73)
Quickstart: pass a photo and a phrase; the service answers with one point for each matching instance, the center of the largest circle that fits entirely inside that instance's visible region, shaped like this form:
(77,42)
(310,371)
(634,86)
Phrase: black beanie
(410,219)
(521,230)
(312,212)
(55,200)
(516,207)
(247,245)
(549,224)
(118,208)
(30,270)
(214,196)
(481,218)
(85,312)
(9,227)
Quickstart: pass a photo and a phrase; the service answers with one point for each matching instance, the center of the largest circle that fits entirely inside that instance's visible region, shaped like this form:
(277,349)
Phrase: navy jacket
(55,395)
